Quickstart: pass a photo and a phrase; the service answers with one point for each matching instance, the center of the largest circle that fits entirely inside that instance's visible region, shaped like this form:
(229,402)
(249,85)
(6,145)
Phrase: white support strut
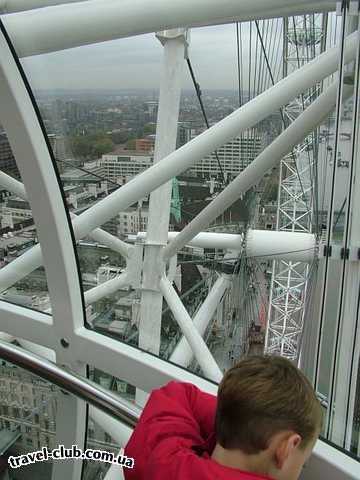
(297,247)
(105,289)
(94,21)
(105,238)
(183,354)
(12,6)
(288,246)
(192,335)
(268,158)
(174,45)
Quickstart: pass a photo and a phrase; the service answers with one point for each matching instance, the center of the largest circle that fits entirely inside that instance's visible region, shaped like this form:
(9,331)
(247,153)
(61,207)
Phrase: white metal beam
(180,160)
(83,23)
(192,335)
(105,238)
(209,240)
(252,174)
(138,368)
(106,289)
(183,354)
(25,323)
(175,43)
(27,140)
(186,156)
(289,246)
(330,463)
(297,247)
(12,6)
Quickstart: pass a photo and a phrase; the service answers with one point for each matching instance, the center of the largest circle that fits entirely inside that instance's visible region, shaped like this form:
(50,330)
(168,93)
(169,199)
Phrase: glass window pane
(27,418)
(18,236)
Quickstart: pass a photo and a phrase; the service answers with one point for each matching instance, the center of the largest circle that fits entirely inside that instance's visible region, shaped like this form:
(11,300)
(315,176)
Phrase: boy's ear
(285,447)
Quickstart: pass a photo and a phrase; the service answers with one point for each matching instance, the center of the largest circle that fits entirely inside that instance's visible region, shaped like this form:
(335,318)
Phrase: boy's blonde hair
(261,396)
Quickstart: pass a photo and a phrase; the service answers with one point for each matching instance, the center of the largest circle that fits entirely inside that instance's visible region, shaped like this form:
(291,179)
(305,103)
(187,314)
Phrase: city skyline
(121,64)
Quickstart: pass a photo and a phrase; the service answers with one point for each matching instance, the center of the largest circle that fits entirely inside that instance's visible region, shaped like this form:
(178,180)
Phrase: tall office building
(233,157)
(7,160)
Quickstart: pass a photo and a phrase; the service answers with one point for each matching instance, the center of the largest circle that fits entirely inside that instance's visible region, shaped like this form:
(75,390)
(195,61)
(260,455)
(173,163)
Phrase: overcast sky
(135,62)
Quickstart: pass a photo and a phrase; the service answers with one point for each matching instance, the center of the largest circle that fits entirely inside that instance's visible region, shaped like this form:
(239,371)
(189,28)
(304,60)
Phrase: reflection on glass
(97,436)
(337,165)
(27,418)
(18,235)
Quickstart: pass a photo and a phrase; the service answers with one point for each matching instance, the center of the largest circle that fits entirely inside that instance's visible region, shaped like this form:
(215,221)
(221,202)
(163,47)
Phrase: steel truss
(303,40)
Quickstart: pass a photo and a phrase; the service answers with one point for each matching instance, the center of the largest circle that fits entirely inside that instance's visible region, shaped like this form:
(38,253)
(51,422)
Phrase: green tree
(102,146)
(80,146)
(91,146)
(149,128)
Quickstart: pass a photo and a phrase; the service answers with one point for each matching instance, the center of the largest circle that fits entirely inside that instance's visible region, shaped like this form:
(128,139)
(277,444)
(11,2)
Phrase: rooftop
(128,153)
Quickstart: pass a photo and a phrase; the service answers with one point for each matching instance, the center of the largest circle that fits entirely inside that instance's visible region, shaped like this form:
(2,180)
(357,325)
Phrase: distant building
(58,145)
(28,408)
(133,220)
(121,164)
(7,159)
(146,144)
(28,404)
(151,110)
(233,157)
(14,210)
(186,132)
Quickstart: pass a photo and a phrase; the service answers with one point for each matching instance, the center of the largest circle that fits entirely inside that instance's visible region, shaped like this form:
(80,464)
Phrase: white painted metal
(180,160)
(192,335)
(106,289)
(288,289)
(38,349)
(288,246)
(28,144)
(174,45)
(29,324)
(252,174)
(105,238)
(343,392)
(68,26)
(118,431)
(20,267)
(12,185)
(209,240)
(297,247)
(330,463)
(136,367)
(5,337)
(12,6)
(183,354)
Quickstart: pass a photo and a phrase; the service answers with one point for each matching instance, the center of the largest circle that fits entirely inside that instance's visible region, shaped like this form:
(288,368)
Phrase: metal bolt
(64,343)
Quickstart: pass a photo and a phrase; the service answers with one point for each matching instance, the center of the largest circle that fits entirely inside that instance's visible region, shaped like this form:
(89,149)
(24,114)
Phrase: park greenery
(94,145)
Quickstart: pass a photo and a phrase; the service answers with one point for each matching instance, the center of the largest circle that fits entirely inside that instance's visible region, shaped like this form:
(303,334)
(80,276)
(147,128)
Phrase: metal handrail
(73,383)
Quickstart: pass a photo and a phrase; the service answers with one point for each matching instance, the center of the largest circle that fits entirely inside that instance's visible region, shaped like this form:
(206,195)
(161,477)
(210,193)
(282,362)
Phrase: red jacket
(175,438)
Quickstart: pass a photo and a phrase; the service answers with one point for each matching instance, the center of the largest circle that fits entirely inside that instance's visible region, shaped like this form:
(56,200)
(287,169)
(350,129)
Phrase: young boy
(262,425)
